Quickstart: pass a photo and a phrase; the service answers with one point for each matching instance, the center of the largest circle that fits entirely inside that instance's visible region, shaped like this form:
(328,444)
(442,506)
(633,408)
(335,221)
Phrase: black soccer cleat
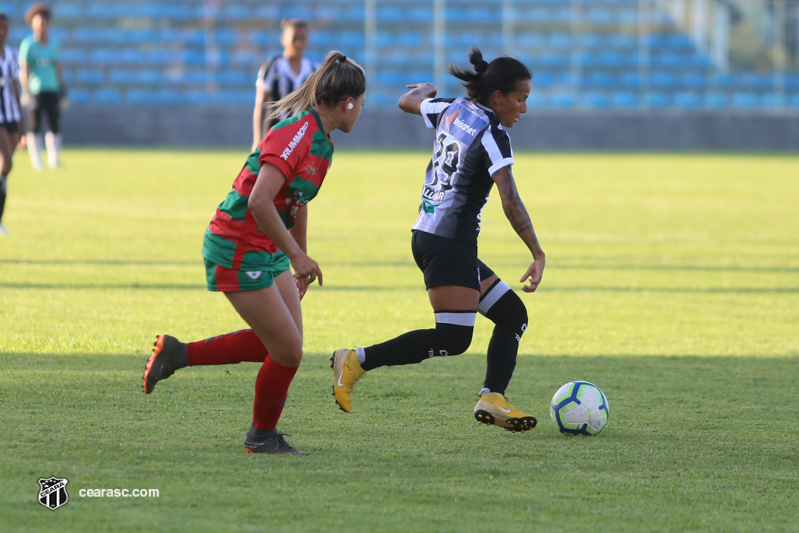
(169,354)
(275,444)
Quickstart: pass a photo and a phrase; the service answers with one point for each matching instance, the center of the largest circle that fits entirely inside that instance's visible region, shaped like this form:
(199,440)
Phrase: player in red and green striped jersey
(258,236)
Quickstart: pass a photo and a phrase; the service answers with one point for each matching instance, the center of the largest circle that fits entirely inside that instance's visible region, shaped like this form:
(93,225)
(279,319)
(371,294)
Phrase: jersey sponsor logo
(433,196)
(294,142)
(465,127)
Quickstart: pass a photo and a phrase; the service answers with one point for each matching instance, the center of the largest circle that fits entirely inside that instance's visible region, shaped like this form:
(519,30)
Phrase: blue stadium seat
(753,80)
(226,36)
(349,40)
(197,97)
(612,60)
(147,76)
(536,100)
(233,77)
(791,81)
(389,77)
(662,80)
(594,100)
(746,100)
(122,76)
(622,41)
(562,99)
(793,100)
(657,99)
(686,100)
(264,38)
(90,76)
(78,96)
(668,60)
(680,42)
(233,97)
(247,58)
(625,99)
(692,80)
(601,79)
(630,80)
(139,96)
(76,56)
(68,11)
(167,96)
(106,96)
(716,100)
(237,12)
(543,79)
(590,40)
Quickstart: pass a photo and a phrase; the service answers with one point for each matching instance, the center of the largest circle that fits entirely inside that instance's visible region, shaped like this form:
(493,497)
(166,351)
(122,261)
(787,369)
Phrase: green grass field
(672,282)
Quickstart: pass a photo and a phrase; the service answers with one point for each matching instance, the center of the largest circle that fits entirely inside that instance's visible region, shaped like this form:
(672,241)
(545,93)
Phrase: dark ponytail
(501,74)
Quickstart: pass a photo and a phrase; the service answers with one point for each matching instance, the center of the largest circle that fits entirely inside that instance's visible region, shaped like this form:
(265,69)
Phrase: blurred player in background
(471,153)
(12,126)
(258,236)
(281,75)
(42,81)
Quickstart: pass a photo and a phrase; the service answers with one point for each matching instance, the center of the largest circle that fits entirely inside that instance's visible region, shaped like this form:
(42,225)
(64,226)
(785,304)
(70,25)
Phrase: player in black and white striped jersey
(281,75)
(11,121)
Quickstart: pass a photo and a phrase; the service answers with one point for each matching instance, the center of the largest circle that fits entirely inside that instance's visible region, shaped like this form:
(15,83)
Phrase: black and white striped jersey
(9,76)
(277,76)
(470,146)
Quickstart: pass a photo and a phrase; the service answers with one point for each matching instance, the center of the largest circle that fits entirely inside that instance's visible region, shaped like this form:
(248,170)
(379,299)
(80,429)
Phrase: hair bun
(481,66)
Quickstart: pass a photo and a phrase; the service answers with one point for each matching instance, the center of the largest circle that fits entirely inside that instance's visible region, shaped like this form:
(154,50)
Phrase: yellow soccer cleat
(346,373)
(493,408)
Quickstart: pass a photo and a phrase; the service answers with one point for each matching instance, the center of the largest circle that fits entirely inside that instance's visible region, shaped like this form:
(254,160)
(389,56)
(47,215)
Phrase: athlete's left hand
(534,274)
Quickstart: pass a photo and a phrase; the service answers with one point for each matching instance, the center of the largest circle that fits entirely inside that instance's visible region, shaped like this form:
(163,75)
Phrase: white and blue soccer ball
(579,408)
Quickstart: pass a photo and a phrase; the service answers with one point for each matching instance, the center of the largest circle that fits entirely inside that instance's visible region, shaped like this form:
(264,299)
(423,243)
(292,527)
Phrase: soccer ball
(579,408)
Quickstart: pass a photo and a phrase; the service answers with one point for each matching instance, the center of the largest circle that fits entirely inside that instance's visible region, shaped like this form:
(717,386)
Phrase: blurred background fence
(593,60)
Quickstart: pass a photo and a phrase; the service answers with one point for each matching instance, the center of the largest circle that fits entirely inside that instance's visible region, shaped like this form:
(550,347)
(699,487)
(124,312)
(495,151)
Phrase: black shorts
(48,104)
(10,127)
(446,261)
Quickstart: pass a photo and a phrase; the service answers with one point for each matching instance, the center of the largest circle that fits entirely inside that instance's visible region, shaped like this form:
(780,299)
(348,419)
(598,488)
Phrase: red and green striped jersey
(300,149)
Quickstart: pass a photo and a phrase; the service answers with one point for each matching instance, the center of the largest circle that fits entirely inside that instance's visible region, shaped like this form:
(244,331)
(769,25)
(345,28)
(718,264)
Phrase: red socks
(271,389)
(227,349)
(272,384)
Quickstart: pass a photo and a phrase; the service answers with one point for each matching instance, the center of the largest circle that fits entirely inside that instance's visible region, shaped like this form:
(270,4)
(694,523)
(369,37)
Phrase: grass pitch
(672,282)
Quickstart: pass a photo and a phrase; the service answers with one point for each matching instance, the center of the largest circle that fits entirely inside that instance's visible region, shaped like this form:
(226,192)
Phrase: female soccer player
(471,153)
(258,231)
(11,123)
(42,79)
(281,75)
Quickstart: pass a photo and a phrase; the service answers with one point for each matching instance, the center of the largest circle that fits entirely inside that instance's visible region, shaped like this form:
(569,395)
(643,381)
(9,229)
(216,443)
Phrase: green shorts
(223,279)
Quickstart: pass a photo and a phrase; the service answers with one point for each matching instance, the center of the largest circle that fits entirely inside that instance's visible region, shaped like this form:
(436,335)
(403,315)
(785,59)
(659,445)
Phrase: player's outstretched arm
(411,101)
(517,215)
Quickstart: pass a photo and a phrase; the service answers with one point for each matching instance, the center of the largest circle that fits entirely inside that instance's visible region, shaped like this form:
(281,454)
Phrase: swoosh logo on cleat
(506,411)
(340,384)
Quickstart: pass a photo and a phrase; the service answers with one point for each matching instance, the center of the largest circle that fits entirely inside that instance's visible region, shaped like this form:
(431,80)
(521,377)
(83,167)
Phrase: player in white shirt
(281,75)
(471,153)
(12,125)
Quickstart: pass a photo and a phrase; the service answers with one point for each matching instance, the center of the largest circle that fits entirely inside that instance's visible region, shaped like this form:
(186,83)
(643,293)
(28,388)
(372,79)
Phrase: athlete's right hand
(306,268)
(429,89)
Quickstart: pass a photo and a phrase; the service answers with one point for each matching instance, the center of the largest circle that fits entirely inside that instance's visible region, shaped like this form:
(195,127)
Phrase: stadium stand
(585,54)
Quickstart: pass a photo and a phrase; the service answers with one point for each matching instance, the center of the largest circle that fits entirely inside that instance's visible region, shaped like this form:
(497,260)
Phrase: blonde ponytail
(336,79)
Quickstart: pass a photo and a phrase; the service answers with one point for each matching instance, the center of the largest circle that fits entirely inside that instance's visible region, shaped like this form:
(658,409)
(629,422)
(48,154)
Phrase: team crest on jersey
(311,170)
(254,275)
(53,492)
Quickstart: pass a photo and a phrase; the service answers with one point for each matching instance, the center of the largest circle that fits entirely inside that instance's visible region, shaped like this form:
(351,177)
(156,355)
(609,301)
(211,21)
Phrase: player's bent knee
(504,308)
(454,333)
